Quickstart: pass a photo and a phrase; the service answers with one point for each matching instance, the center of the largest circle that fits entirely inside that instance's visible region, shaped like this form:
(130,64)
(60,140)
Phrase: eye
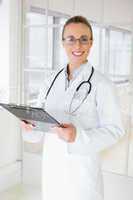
(84,39)
(70,39)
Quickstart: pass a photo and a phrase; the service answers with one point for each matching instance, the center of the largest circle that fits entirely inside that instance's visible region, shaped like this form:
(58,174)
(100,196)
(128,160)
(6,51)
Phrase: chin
(78,62)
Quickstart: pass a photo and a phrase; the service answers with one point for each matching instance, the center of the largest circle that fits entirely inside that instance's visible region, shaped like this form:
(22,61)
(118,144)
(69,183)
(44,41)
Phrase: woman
(84,101)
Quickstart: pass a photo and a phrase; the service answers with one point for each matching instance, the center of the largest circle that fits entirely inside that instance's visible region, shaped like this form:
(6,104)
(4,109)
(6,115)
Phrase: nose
(77,43)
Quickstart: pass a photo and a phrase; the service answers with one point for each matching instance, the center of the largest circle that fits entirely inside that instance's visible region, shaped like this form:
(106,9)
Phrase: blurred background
(30,50)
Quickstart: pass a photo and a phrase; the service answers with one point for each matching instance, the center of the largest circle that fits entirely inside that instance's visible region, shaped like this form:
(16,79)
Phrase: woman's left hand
(66,132)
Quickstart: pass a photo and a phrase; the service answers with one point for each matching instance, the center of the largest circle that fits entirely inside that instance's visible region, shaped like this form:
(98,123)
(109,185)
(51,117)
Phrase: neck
(71,67)
(69,72)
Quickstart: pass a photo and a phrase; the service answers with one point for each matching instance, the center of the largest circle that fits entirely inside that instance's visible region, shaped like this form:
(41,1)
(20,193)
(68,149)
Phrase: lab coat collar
(85,68)
(83,75)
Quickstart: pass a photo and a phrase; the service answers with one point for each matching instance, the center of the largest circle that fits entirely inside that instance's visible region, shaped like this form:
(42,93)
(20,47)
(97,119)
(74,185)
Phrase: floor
(116,187)
(21,192)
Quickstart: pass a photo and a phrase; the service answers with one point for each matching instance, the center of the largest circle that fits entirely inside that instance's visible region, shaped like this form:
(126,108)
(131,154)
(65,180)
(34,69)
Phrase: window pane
(38,41)
(94,54)
(127,53)
(4,57)
(33,18)
(36,47)
(32,82)
(60,58)
(120,53)
(103,50)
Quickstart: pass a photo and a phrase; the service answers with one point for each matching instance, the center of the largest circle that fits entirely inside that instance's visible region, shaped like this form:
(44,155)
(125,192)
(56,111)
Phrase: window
(119,52)
(42,49)
(38,41)
(111,52)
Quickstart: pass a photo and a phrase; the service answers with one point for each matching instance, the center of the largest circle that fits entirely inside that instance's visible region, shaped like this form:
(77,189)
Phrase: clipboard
(33,115)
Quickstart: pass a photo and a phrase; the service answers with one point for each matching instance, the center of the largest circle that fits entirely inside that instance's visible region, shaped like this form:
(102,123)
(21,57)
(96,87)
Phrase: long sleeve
(110,127)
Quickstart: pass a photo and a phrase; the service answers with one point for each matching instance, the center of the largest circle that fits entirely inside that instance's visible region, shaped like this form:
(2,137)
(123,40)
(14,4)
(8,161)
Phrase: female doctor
(84,101)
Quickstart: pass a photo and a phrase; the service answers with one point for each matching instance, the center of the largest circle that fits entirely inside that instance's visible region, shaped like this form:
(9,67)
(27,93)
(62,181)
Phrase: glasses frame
(75,40)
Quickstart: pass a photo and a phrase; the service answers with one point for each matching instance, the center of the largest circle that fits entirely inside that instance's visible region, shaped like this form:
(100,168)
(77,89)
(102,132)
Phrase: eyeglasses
(71,40)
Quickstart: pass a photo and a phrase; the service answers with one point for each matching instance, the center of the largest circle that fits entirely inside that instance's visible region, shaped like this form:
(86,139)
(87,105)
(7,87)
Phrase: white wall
(10,142)
(119,12)
(4,43)
(112,12)
(93,10)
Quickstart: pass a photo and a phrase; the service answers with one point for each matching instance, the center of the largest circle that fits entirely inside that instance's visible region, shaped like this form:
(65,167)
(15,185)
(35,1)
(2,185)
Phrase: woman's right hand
(27,126)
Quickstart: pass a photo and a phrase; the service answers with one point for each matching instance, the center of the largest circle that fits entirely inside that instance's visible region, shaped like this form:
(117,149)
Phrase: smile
(77,53)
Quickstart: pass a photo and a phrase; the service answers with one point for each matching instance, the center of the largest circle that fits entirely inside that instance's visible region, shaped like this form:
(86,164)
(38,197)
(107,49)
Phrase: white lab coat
(71,171)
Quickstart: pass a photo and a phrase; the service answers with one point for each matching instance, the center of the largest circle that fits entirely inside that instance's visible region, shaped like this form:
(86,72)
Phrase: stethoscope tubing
(77,89)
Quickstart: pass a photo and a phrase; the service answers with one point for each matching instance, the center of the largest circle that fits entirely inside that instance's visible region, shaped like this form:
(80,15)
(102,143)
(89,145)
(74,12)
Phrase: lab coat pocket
(86,115)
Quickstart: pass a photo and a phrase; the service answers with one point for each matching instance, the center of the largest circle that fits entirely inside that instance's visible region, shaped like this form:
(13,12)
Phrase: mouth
(77,53)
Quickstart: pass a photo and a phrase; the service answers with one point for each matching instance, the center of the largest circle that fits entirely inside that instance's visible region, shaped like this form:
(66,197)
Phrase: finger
(64,125)
(27,127)
(28,123)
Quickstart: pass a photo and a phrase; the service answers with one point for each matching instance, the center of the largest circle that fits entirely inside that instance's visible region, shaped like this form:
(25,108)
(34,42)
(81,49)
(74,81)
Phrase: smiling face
(77,43)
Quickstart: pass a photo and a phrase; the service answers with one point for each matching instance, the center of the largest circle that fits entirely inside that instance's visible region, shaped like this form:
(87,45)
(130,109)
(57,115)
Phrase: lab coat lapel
(82,76)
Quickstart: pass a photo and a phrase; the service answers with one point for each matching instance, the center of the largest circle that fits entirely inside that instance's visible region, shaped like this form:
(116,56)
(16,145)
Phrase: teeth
(77,53)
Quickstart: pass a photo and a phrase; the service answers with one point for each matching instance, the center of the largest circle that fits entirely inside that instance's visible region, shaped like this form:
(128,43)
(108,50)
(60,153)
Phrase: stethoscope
(77,90)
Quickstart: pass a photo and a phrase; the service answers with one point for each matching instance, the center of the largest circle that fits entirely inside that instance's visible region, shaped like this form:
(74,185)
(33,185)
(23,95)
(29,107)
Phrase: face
(77,43)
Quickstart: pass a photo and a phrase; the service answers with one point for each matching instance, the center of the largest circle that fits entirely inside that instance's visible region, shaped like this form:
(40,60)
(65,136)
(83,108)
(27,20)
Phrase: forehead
(77,29)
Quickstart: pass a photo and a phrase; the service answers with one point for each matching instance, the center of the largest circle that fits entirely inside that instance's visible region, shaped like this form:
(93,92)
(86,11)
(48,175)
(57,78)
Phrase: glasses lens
(70,40)
(84,39)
